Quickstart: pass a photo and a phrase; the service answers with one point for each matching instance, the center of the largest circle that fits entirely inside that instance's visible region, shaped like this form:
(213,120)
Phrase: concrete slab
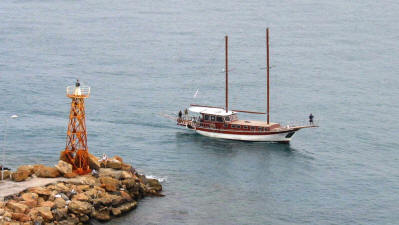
(8,187)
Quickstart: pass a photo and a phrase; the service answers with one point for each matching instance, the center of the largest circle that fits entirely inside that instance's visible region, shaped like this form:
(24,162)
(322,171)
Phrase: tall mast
(227,75)
(267,62)
(267,68)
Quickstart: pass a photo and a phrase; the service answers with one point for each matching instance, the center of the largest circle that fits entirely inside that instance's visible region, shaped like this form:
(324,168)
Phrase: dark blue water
(337,60)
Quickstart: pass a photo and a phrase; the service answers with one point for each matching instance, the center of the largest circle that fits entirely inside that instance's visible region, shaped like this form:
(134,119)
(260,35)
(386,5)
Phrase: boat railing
(188,120)
(299,123)
(78,92)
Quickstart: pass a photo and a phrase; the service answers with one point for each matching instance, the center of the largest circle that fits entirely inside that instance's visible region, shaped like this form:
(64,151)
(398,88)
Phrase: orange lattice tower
(76,151)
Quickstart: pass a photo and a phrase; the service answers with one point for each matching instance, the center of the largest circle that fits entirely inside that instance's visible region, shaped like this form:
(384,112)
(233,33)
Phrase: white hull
(280,137)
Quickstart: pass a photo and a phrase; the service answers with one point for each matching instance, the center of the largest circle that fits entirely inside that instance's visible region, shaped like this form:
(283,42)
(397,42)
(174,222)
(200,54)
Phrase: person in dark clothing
(77,83)
(186,114)
(5,168)
(180,114)
(311,119)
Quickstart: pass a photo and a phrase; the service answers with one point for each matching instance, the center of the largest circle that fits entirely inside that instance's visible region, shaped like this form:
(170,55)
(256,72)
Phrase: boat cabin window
(245,127)
(252,128)
(219,119)
(227,118)
(226,125)
(206,117)
(238,126)
(260,128)
(213,118)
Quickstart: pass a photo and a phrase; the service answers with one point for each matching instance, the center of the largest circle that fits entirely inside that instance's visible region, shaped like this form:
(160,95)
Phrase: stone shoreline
(114,188)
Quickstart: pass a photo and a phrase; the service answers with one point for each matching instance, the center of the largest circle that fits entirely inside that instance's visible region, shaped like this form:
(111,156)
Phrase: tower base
(78,160)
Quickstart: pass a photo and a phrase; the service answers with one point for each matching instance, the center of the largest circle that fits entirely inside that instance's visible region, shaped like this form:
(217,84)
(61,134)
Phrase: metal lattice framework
(76,150)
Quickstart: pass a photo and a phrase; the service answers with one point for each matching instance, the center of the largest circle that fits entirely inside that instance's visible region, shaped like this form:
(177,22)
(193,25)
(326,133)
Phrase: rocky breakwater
(113,189)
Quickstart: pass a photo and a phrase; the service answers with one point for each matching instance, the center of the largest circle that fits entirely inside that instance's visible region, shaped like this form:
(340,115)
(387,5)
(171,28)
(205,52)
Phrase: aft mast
(267,68)
(227,74)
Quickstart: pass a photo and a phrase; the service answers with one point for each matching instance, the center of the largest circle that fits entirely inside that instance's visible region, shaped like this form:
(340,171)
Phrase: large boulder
(84,219)
(117,200)
(45,213)
(94,163)
(50,204)
(20,175)
(101,214)
(79,207)
(37,167)
(29,203)
(117,174)
(125,196)
(109,183)
(47,172)
(29,196)
(21,217)
(26,168)
(69,220)
(90,180)
(29,199)
(114,164)
(126,167)
(62,187)
(80,197)
(95,192)
(34,215)
(108,172)
(61,213)
(131,184)
(116,211)
(118,158)
(83,188)
(107,199)
(17,207)
(41,191)
(126,207)
(59,203)
(70,175)
(126,175)
(154,184)
(64,167)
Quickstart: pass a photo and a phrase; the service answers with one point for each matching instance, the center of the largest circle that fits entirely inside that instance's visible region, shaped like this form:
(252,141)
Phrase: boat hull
(284,137)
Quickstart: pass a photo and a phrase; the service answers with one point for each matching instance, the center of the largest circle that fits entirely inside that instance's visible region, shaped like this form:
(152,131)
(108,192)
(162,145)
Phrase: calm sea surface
(335,59)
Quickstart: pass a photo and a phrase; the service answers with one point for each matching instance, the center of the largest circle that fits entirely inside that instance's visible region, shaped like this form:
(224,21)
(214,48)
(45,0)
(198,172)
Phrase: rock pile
(110,191)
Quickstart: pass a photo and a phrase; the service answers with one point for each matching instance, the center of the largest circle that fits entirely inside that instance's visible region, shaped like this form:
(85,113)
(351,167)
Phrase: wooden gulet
(218,122)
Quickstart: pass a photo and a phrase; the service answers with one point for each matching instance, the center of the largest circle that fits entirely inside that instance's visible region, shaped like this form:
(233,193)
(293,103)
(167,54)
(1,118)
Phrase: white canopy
(209,110)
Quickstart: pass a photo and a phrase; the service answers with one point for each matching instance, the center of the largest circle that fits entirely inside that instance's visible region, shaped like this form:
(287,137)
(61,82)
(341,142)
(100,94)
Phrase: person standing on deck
(186,114)
(77,88)
(180,114)
(311,119)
